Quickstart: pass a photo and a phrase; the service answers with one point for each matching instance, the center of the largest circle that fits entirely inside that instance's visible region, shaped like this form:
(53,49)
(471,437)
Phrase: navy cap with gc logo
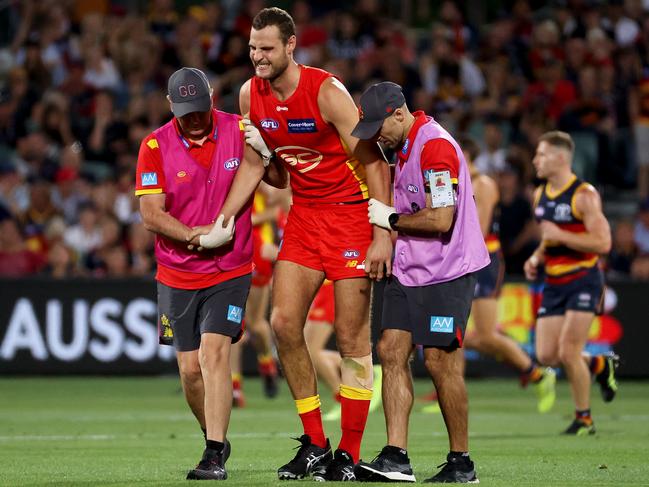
(378,102)
(189,91)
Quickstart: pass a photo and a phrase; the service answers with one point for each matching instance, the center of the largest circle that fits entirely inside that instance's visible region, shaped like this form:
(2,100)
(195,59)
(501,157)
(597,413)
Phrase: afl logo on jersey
(231,164)
(302,158)
(413,189)
(562,213)
(269,124)
(351,254)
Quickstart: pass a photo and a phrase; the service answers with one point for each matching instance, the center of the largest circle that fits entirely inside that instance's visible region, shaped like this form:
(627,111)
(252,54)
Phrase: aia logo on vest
(302,158)
(562,213)
(269,124)
(351,254)
(231,164)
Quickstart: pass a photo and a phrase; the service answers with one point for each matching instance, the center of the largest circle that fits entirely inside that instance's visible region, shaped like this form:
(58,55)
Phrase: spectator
(59,262)
(518,231)
(15,259)
(492,159)
(623,252)
(85,236)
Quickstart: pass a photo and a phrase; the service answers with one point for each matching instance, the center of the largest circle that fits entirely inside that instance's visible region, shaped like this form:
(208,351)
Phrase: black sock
(217,446)
(584,415)
(459,454)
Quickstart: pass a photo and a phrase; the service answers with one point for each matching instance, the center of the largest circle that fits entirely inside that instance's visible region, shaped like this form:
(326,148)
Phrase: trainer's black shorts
(435,315)
(216,309)
(490,278)
(582,294)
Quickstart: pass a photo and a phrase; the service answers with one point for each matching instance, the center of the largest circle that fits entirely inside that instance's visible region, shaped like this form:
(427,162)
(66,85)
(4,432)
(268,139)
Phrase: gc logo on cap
(189,91)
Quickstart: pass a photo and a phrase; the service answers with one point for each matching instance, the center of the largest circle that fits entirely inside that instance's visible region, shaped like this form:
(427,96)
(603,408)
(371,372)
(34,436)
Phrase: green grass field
(138,431)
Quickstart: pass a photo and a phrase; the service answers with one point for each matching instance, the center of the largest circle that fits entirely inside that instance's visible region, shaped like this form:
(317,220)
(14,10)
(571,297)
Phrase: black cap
(189,92)
(378,102)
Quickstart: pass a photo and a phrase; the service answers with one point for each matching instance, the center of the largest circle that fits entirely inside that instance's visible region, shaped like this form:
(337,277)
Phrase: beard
(276,69)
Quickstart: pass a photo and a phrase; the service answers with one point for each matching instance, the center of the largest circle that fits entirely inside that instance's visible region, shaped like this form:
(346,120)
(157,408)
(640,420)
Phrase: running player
(574,232)
(485,337)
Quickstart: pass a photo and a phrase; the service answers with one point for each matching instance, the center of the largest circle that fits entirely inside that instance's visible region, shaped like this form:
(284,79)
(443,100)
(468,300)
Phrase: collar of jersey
(420,119)
(553,194)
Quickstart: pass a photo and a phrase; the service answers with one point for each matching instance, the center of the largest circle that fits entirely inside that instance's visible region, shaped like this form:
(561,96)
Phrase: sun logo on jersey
(302,158)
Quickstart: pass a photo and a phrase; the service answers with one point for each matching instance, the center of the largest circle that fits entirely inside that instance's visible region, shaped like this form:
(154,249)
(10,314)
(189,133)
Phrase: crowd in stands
(82,83)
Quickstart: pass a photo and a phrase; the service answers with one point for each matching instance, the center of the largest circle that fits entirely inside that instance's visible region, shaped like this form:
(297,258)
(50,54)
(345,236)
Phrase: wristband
(393,219)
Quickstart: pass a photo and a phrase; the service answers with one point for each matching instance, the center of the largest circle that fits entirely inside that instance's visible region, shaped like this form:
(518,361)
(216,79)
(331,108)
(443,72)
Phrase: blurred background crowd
(82,82)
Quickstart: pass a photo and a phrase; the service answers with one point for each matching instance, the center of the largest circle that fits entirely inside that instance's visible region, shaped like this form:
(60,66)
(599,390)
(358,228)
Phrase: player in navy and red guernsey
(485,337)
(575,232)
(304,117)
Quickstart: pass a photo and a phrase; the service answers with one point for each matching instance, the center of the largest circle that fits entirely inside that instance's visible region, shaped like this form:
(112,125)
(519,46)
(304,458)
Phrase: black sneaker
(339,469)
(308,457)
(606,378)
(580,428)
(211,466)
(391,465)
(456,470)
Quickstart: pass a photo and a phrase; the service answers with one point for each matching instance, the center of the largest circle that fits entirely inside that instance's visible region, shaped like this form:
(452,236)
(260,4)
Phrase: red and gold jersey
(559,207)
(315,155)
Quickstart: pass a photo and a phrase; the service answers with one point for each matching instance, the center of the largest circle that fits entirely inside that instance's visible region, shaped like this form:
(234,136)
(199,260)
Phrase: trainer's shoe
(545,390)
(339,469)
(580,428)
(456,470)
(308,457)
(375,403)
(334,413)
(606,378)
(211,466)
(391,465)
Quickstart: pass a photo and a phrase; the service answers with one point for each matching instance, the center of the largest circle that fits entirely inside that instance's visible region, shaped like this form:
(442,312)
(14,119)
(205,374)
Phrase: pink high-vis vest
(421,261)
(195,195)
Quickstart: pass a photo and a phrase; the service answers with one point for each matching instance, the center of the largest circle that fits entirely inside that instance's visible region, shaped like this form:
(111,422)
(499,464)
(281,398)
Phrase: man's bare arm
(337,107)
(486,199)
(427,222)
(156,219)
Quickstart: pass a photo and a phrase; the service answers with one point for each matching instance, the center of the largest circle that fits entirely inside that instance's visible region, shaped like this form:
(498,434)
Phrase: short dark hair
(469,145)
(275,16)
(559,139)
